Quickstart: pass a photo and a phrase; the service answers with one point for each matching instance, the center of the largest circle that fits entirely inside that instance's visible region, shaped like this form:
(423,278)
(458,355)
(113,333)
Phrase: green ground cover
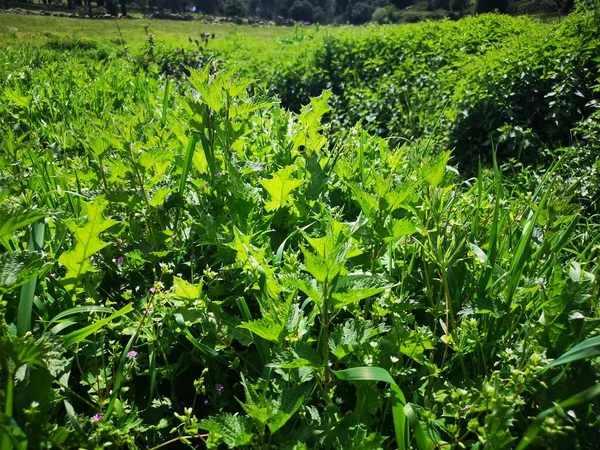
(339,238)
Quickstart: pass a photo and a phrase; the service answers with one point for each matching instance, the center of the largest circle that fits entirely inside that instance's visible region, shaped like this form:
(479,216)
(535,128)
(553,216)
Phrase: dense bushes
(212,269)
(469,82)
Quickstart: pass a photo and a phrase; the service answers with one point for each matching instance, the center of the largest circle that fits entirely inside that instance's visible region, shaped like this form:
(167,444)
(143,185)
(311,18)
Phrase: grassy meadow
(379,237)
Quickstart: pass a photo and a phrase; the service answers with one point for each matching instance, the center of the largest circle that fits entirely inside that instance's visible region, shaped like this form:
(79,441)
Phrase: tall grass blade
(36,242)
(81,334)
(398,399)
(187,163)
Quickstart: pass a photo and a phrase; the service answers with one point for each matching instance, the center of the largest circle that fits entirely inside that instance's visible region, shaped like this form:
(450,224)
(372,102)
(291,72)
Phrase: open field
(371,238)
(37,30)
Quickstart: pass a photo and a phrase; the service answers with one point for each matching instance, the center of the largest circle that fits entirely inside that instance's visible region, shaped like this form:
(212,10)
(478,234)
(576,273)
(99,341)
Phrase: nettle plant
(208,269)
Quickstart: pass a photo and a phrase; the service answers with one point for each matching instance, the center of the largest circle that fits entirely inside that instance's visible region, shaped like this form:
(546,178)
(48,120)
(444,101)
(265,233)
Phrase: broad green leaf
(279,188)
(292,398)
(19,100)
(400,229)
(87,243)
(186,291)
(159,196)
(298,355)
(434,170)
(18,268)
(396,198)
(234,431)
(268,327)
(354,288)
(316,266)
(415,348)
(12,219)
(347,337)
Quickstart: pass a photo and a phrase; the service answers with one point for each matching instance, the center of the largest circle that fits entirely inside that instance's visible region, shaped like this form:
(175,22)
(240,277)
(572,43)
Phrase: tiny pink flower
(152,290)
(97,417)
(132,354)
(219,387)
(120,260)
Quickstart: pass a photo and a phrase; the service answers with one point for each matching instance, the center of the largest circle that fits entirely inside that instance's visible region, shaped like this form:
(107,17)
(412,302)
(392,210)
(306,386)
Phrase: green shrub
(387,14)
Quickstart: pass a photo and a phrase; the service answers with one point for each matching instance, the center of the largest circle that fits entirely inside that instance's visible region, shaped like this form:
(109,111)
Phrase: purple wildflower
(219,387)
(205,401)
(132,354)
(218,174)
(97,417)
(120,260)
(152,290)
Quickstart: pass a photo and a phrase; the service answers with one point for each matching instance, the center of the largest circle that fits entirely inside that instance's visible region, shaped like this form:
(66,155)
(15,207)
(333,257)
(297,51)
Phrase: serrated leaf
(234,431)
(354,288)
(400,229)
(279,188)
(159,197)
(291,400)
(186,291)
(299,355)
(12,219)
(18,268)
(434,170)
(267,327)
(348,336)
(87,243)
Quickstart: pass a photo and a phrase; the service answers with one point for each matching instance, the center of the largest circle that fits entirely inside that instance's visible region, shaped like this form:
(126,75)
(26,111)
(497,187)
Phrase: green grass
(37,30)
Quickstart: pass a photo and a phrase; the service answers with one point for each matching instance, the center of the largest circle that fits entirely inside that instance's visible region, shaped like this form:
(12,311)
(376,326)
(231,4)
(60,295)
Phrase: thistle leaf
(87,243)
(279,188)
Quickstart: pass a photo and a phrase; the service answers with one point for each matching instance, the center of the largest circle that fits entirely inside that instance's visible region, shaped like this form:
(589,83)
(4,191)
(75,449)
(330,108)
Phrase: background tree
(111,7)
(361,13)
(459,6)
(302,11)
(235,8)
(485,6)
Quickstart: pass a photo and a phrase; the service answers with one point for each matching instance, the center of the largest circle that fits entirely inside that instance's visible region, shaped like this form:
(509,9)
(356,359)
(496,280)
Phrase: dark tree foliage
(361,13)
(111,7)
(484,6)
(235,8)
(302,10)
(459,6)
